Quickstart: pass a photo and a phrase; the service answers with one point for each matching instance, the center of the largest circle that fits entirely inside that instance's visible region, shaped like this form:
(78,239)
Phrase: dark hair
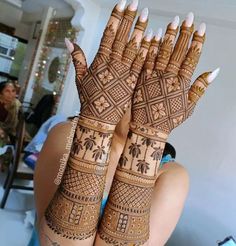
(169,150)
(4,84)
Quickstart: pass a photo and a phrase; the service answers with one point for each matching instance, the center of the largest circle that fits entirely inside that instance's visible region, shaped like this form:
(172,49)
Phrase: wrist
(143,150)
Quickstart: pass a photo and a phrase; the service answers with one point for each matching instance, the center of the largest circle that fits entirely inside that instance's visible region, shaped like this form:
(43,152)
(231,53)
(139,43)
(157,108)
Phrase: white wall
(206,143)
(22,30)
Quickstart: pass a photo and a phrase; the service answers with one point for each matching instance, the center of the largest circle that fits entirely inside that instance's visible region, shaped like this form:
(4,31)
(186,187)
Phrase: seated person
(9,109)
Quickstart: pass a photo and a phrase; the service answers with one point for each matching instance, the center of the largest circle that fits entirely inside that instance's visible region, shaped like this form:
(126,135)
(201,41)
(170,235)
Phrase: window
(3,50)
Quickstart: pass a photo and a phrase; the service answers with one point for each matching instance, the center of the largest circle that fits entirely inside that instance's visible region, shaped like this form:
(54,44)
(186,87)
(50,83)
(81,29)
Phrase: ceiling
(35,6)
(31,6)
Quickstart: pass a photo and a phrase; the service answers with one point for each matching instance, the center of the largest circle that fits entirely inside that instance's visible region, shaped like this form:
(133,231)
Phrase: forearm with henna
(163,99)
(74,211)
(105,90)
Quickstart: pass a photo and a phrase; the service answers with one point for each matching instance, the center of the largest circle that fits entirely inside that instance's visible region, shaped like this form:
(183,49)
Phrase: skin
(170,190)
(8,94)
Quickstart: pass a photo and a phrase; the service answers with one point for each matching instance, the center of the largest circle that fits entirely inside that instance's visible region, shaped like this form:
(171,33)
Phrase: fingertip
(158,36)
(189,19)
(134,5)
(149,35)
(144,15)
(213,75)
(121,5)
(175,22)
(69,45)
(201,29)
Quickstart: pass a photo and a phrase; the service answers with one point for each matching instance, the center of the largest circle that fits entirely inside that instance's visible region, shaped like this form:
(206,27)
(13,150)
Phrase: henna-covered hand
(106,87)
(164,96)
(163,99)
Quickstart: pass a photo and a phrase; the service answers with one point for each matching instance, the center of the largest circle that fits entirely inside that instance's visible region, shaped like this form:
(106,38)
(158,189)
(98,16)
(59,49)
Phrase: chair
(17,169)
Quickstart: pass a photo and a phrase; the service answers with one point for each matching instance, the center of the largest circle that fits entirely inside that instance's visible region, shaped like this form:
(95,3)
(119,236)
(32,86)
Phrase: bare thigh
(169,197)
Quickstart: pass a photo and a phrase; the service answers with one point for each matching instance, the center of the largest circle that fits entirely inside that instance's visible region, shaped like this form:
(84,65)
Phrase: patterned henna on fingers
(163,99)
(105,91)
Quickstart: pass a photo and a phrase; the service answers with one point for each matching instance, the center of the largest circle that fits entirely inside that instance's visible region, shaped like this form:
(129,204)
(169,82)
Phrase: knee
(175,173)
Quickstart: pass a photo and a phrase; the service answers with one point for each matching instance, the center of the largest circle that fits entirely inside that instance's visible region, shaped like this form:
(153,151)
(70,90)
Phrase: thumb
(199,87)
(78,58)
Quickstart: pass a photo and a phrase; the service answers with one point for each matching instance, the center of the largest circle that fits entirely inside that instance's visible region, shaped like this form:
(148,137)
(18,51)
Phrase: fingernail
(213,75)
(121,5)
(134,5)
(189,19)
(144,15)
(69,45)
(149,35)
(175,22)
(158,35)
(201,29)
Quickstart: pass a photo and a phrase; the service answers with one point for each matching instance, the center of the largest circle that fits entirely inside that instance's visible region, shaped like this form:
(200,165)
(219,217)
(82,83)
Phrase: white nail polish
(69,45)
(213,75)
(175,22)
(149,35)
(158,35)
(121,5)
(134,5)
(189,19)
(144,15)
(201,29)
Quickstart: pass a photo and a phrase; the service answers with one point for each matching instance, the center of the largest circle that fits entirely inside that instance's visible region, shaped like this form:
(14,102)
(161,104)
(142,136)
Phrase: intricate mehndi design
(162,100)
(105,89)
(74,211)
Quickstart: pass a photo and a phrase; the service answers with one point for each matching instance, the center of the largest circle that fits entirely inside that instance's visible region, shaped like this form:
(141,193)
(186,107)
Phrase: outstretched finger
(199,87)
(79,60)
(123,31)
(111,28)
(181,46)
(142,54)
(152,52)
(190,63)
(167,45)
(133,46)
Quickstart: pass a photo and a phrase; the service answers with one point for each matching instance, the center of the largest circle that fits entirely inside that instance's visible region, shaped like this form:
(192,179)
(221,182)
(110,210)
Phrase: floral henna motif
(126,217)
(162,100)
(74,211)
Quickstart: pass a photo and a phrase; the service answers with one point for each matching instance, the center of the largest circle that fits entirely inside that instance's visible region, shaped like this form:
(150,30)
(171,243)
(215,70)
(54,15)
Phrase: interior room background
(205,144)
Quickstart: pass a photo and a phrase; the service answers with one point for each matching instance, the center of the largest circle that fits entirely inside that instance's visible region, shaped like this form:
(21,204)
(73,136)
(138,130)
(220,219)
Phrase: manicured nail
(134,5)
(69,45)
(189,19)
(144,15)
(175,22)
(121,5)
(149,35)
(201,29)
(158,36)
(213,75)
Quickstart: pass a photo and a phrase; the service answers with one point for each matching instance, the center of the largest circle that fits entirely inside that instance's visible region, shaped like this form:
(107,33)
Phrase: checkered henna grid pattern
(163,99)
(74,211)
(105,89)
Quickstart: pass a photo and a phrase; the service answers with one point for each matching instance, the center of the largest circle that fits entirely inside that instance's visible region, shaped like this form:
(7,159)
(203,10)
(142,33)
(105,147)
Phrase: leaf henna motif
(143,166)
(99,152)
(134,150)
(123,160)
